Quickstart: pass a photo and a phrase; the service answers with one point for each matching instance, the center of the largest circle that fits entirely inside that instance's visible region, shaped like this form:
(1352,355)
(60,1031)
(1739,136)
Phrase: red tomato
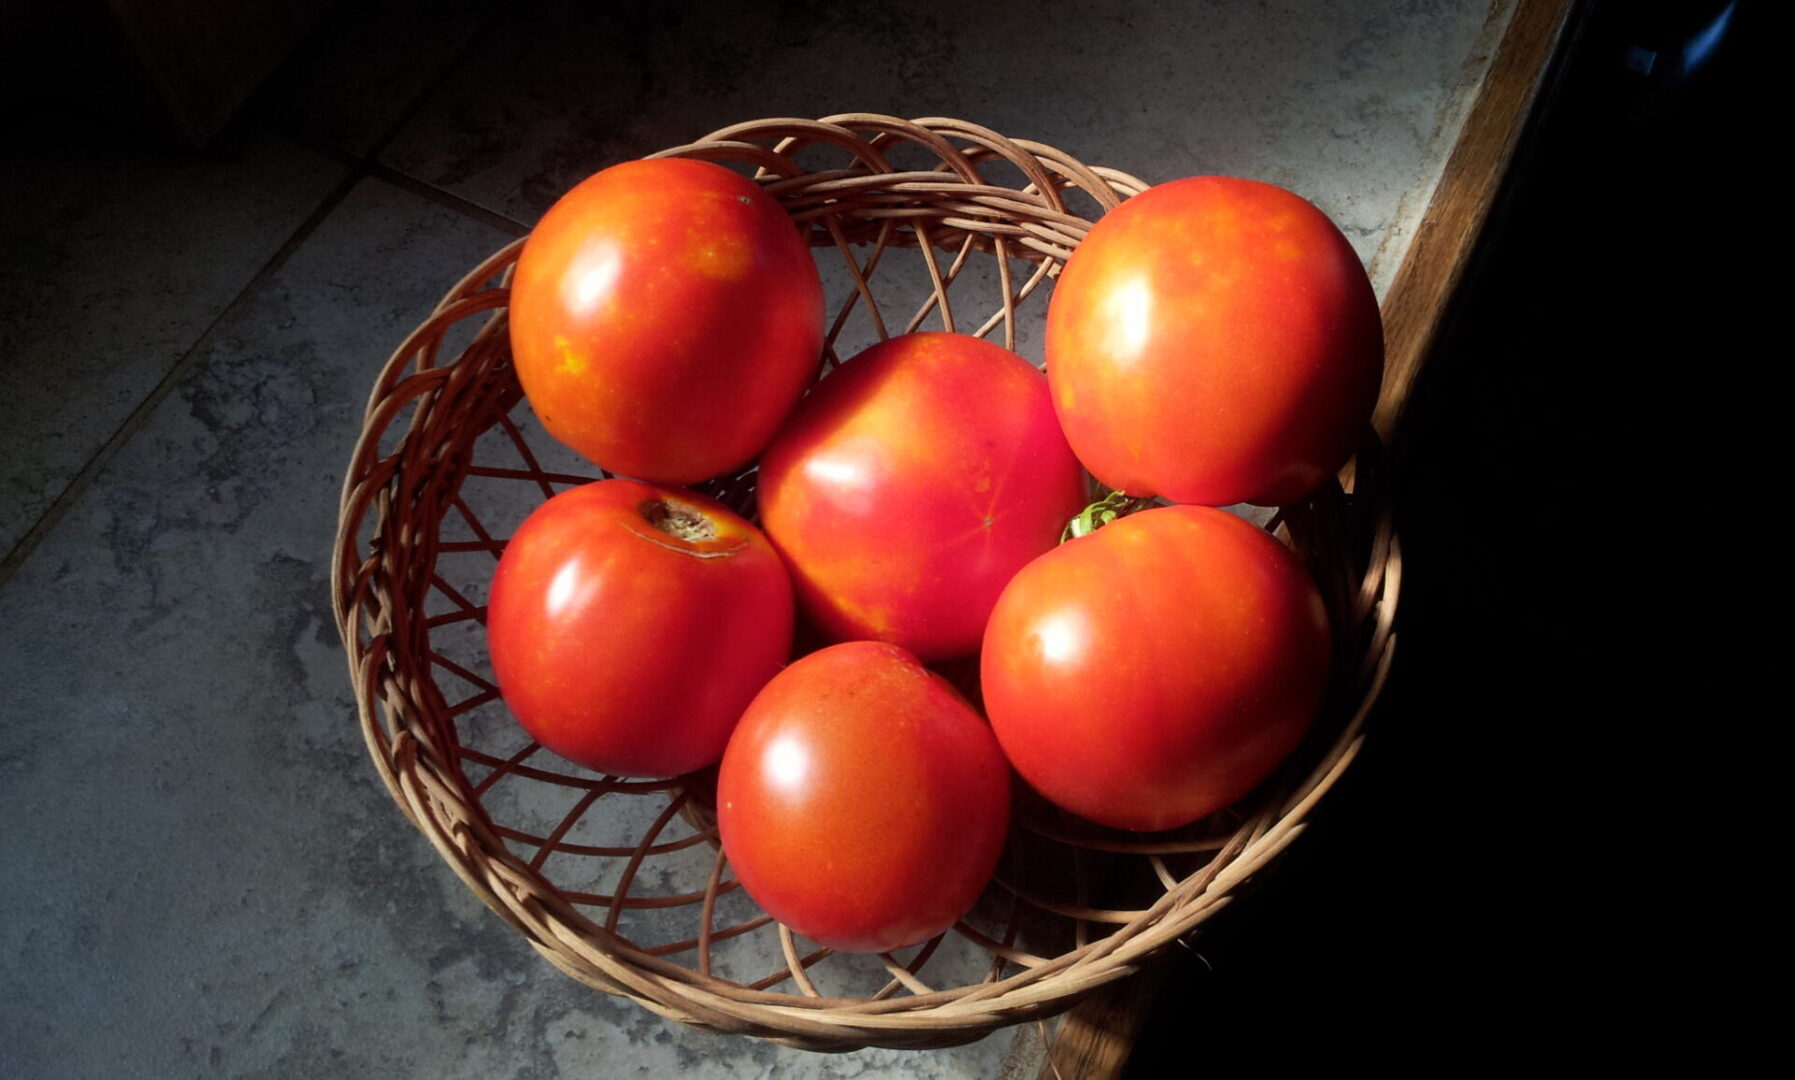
(911,484)
(665,316)
(1214,341)
(630,626)
(1158,669)
(861,801)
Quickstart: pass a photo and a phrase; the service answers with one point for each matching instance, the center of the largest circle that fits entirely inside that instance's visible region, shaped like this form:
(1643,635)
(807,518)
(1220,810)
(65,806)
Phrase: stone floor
(202,874)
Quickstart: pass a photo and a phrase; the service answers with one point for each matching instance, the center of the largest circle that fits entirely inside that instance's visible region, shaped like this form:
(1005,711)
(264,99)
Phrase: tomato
(1214,341)
(861,801)
(911,484)
(665,316)
(630,625)
(1158,669)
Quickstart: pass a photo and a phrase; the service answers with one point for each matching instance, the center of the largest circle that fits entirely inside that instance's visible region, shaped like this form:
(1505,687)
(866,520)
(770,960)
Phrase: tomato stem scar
(681,522)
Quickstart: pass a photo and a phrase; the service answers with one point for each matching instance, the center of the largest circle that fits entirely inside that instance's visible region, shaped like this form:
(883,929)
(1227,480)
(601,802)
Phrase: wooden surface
(197,61)
(1437,257)
(1094,1039)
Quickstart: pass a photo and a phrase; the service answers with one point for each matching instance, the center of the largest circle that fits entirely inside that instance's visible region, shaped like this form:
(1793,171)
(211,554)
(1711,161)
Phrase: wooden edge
(1095,1038)
(1436,259)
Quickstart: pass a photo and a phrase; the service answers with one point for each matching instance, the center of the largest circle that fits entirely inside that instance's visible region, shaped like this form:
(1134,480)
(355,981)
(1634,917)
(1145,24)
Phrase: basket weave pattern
(620,883)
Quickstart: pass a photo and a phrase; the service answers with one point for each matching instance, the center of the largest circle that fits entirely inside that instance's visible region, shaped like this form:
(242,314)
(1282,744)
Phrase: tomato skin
(665,316)
(1214,341)
(911,484)
(1158,669)
(861,801)
(627,649)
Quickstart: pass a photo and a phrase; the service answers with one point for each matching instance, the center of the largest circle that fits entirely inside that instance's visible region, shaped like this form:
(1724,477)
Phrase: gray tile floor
(202,875)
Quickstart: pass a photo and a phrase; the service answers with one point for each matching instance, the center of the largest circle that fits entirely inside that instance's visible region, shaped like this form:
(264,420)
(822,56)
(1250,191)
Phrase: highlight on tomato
(665,317)
(911,484)
(630,625)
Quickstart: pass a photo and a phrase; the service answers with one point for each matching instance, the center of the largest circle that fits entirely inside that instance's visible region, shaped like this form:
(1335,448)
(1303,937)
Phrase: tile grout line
(372,159)
(379,170)
(140,415)
(376,170)
(465,207)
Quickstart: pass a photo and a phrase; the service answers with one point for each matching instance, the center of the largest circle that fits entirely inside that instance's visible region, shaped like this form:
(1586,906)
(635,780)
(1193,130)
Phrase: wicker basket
(620,883)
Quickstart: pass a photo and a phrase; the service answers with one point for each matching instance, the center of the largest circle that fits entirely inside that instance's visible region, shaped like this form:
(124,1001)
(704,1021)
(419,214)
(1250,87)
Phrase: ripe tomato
(630,626)
(1214,341)
(1158,669)
(665,316)
(861,801)
(911,484)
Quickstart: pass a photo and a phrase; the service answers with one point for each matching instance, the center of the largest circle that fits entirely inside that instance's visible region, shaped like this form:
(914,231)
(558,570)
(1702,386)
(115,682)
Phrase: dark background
(1480,876)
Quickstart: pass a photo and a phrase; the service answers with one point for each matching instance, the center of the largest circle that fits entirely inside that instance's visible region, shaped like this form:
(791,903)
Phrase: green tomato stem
(1100,513)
